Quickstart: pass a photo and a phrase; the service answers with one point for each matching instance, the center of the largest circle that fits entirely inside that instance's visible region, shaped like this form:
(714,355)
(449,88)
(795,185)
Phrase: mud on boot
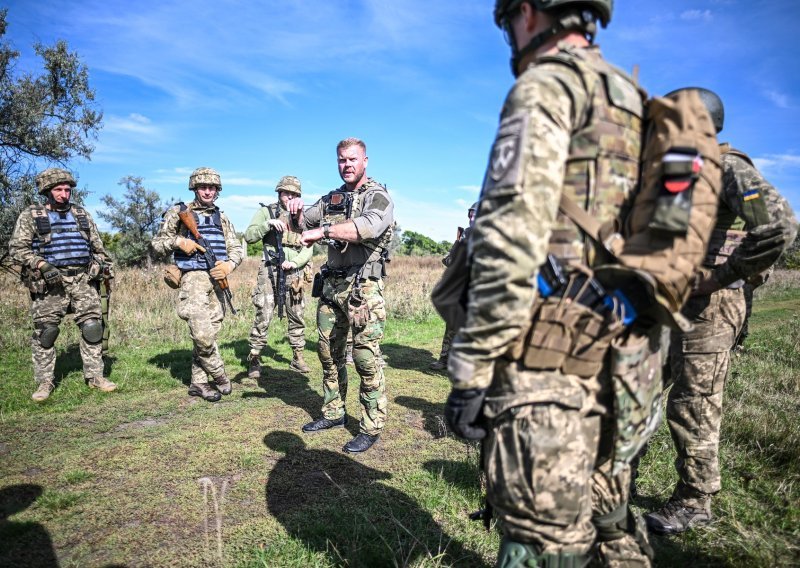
(204,391)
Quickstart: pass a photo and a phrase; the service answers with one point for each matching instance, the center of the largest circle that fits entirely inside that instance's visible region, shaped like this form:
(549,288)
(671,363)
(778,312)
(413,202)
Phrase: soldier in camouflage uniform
(754,225)
(269,224)
(62,260)
(570,116)
(449,333)
(199,299)
(356,222)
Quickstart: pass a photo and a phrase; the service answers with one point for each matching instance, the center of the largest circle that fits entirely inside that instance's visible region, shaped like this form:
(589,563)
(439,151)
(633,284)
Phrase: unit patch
(505,160)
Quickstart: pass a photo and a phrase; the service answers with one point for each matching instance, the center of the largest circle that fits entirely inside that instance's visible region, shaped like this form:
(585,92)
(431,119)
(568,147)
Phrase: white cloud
(693,15)
(470,188)
(774,163)
(780,100)
(134,123)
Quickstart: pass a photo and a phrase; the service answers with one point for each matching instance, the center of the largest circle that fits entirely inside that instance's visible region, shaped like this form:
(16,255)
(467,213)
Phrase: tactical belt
(339,271)
(73,270)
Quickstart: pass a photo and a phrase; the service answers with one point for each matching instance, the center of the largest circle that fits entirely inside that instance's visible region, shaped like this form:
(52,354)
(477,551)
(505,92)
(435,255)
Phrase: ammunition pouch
(636,362)
(46,335)
(92,331)
(357,309)
(172,276)
(296,290)
(573,330)
(316,287)
(99,270)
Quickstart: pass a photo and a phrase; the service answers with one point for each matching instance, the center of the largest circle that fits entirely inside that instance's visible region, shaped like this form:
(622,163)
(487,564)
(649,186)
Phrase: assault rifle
(280,279)
(187,218)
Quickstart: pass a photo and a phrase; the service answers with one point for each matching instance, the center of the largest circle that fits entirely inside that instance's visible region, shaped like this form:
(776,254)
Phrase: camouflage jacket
(260,230)
(742,188)
(171,228)
(525,178)
(20,247)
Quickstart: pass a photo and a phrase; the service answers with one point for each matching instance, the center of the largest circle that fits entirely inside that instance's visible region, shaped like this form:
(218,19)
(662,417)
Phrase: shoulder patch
(505,159)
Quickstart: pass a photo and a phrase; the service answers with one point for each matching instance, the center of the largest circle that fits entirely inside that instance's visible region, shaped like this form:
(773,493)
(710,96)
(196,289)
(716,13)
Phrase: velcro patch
(751,194)
(505,160)
(379,202)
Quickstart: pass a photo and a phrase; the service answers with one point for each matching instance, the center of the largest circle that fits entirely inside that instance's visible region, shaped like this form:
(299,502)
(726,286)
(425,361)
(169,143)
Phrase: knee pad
(519,555)
(47,335)
(92,331)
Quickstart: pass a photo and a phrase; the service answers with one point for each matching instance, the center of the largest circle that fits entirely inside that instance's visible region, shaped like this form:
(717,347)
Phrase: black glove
(464,413)
(763,243)
(50,274)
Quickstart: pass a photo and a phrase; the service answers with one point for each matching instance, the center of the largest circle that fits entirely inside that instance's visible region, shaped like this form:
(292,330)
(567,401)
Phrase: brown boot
(101,383)
(298,363)
(43,392)
(204,391)
(254,370)
(223,384)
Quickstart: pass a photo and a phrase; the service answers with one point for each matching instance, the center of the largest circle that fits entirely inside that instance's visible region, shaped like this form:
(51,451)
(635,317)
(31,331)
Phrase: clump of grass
(76,476)
(54,500)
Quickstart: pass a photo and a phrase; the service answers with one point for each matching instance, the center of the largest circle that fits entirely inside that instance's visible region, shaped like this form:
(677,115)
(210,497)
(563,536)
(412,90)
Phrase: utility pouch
(571,332)
(33,281)
(308,273)
(357,309)
(316,288)
(172,276)
(296,290)
(636,381)
(680,168)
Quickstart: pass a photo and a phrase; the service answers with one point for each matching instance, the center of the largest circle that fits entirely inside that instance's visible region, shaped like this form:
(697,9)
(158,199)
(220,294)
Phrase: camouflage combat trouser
(447,341)
(549,482)
(332,326)
(201,308)
(264,302)
(49,308)
(699,362)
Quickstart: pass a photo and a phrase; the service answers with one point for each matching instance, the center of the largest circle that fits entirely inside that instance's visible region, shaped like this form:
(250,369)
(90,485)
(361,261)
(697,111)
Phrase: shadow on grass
(337,506)
(461,474)
(409,358)
(177,361)
(24,543)
(432,412)
(68,361)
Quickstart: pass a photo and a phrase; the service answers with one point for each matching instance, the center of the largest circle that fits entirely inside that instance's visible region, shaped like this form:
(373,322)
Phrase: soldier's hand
(294,206)
(221,269)
(763,244)
(705,284)
(288,265)
(278,225)
(50,273)
(188,246)
(464,413)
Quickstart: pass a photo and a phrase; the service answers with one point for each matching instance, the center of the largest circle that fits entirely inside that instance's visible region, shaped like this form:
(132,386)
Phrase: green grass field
(147,476)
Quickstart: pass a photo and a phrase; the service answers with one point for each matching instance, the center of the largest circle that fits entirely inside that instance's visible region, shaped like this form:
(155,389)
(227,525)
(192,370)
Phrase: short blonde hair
(347,142)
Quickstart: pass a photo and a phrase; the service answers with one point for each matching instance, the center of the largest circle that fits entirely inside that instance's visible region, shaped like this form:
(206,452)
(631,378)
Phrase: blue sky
(263,89)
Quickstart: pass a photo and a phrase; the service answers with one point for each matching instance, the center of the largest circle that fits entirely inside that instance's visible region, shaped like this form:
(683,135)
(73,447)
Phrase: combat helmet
(289,184)
(578,15)
(204,176)
(712,102)
(473,208)
(51,177)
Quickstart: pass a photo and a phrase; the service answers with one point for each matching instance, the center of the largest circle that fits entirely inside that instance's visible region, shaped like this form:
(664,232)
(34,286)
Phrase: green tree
(417,244)
(135,217)
(47,117)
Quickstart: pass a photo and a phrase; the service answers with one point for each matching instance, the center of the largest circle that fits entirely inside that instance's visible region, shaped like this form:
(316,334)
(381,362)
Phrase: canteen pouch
(637,359)
(357,309)
(567,334)
(316,288)
(172,276)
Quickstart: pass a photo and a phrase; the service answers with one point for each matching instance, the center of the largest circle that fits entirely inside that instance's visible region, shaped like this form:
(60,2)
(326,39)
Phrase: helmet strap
(55,205)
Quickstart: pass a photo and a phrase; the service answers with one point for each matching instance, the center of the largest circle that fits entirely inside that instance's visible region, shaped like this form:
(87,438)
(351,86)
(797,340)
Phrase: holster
(316,288)
(172,276)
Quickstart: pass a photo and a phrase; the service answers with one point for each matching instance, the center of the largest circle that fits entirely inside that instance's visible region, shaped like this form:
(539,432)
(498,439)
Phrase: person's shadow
(408,358)
(177,361)
(25,544)
(334,504)
(432,414)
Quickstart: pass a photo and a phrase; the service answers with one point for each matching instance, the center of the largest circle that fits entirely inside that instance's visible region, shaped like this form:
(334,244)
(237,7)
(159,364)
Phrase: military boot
(298,363)
(679,515)
(223,384)
(349,355)
(43,392)
(101,383)
(204,391)
(254,370)
(439,365)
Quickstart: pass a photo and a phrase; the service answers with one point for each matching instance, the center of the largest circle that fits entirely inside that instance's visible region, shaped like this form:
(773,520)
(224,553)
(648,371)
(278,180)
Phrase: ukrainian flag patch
(751,194)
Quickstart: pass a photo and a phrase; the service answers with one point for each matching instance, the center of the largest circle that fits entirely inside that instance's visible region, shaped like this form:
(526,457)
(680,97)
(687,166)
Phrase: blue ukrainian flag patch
(751,194)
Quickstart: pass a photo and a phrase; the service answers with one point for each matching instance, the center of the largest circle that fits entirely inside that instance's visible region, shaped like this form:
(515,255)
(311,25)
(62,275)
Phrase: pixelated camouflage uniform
(700,359)
(76,293)
(547,452)
(264,293)
(373,216)
(199,302)
(449,334)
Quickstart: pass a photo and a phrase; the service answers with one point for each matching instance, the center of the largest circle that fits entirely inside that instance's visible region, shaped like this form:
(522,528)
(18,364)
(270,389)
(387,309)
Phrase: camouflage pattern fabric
(264,302)
(699,362)
(332,327)
(199,301)
(447,341)
(542,451)
(80,296)
(76,294)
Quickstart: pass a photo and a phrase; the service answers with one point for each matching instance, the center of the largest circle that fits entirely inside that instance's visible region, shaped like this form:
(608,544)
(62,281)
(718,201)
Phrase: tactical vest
(289,238)
(210,228)
(730,229)
(602,167)
(62,237)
